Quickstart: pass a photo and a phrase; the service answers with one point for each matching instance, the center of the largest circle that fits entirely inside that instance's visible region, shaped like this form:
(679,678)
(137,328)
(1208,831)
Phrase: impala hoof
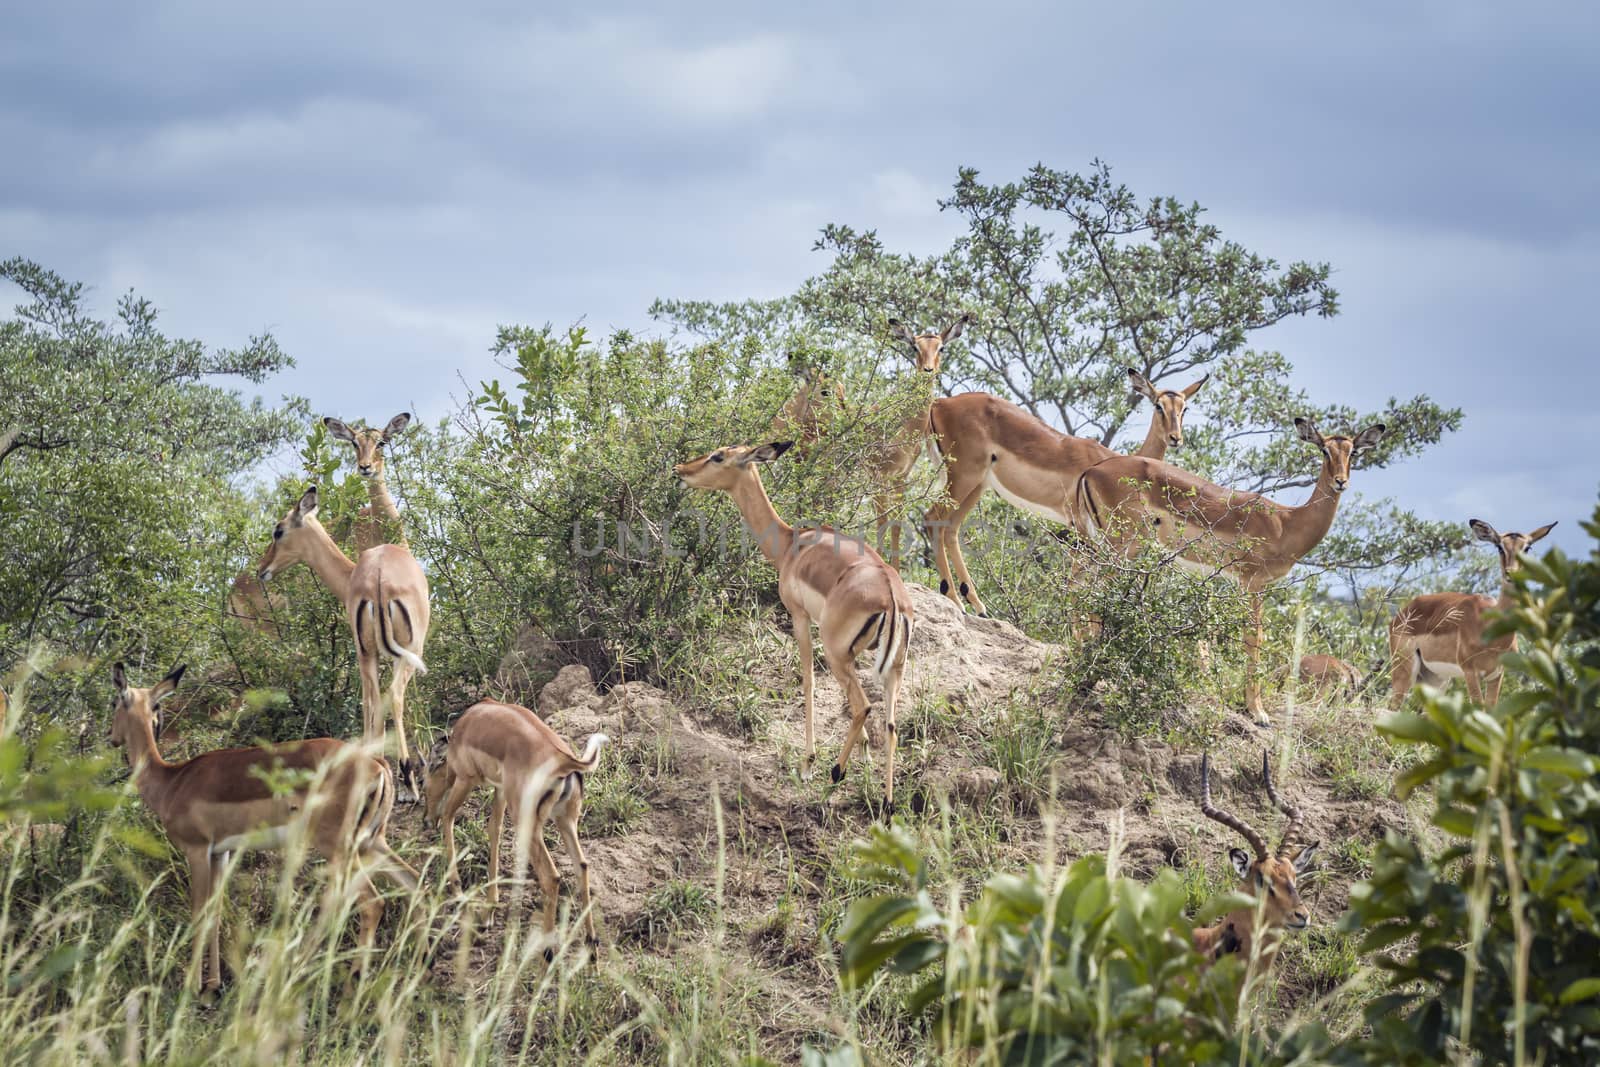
(836,772)
(919,802)
(888,812)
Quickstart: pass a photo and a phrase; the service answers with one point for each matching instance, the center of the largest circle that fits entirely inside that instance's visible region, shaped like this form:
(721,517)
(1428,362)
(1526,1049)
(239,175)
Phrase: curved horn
(1292,831)
(1233,822)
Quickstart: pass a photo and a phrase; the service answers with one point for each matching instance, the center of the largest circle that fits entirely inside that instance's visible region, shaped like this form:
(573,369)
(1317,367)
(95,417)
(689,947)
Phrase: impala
(1269,877)
(379,522)
(990,443)
(1245,536)
(802,417)
(893,459)
(1327,676)
(531,768)
(385,598)
(1446,629)
(856,599)
(222,802)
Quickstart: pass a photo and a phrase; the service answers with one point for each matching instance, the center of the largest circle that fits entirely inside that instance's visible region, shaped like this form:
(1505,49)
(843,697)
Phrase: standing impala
(222,802)
(379,522)
(385,598)
(1445,630)
(856,599)
(990,443)
(892,460)
(1268,876)
(1253,540)
(529,766)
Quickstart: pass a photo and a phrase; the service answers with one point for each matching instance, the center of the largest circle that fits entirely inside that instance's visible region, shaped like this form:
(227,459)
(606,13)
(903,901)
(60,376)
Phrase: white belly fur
(271,837)
(1444,669)
(1036,508)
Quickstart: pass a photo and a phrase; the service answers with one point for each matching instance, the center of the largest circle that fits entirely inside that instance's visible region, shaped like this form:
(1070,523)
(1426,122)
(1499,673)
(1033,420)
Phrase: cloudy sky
(380,189)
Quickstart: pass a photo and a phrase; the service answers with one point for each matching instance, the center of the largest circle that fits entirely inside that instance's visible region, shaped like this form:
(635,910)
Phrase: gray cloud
(382,187)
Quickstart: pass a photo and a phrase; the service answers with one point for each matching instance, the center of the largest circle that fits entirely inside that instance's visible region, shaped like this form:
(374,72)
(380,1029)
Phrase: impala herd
(341,795)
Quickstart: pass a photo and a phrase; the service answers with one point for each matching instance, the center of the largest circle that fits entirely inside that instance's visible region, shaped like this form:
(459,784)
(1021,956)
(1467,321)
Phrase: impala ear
(952,331)
(768,453)
(119,677)
(397,424)
(902,331)
(1241,861)
(1369,437)
(307,506)
(339,429)
(1141,384)
(1305,857)
(1484,532)
(1538,535)
(1190,390)
(164,688)
(1307,431)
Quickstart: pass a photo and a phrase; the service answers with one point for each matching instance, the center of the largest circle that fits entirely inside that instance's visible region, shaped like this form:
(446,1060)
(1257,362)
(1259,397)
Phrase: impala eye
(277,532)
(716,457)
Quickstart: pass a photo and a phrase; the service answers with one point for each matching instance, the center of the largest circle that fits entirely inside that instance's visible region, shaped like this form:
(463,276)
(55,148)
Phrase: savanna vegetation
(1036,908)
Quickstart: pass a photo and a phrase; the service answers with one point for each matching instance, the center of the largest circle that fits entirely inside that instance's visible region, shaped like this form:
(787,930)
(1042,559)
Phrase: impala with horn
(1267,875)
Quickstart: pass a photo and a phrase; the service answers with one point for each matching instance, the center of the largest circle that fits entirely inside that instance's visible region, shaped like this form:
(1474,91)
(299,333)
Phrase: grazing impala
(379,522)
(222,802)
(531,768)
(1446,629)
(893,459)
(385,598)
(1269,877)
(856,599)
(1329,676)
(990,443)
(1245,536)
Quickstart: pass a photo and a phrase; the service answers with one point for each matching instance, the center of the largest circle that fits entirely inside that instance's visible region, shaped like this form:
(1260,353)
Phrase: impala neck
(1507,599)
(150,771)
(324,557)
(1306,525)
(1155,439)
(384,510)
(773,535)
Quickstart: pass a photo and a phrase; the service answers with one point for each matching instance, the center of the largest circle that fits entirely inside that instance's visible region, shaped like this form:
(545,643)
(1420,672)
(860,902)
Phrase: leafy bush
(1074,965)
(1499,930)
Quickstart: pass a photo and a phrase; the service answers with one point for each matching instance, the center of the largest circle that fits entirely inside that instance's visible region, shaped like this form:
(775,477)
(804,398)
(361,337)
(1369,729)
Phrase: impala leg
(497,827)
(842,666)
(1475,686)
(891,693)
(371,705)
(567,825)
(219,868)
(199,894)
(1400,680)
(808,681)
(966,586)
(369,905)
(549,882)
(1491,692)
(1252,657)
(459,790)
(409,786)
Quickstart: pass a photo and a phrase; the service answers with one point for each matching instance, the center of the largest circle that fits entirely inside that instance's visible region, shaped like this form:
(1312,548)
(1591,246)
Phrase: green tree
(119,451)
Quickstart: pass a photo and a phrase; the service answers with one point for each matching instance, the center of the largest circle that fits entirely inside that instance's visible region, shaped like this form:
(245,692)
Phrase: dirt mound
(775,829)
